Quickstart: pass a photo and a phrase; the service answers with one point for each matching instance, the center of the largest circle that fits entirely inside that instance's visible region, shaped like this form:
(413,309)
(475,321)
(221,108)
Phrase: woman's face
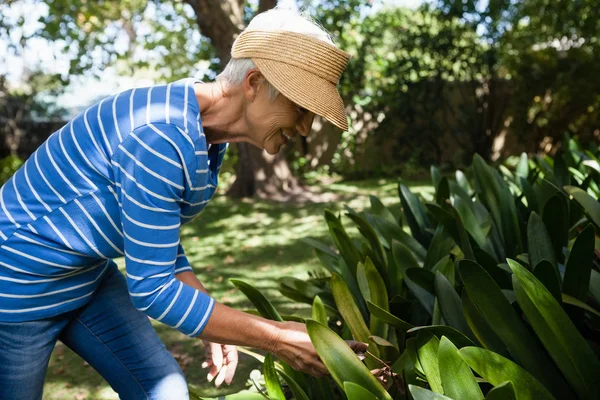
(272,123)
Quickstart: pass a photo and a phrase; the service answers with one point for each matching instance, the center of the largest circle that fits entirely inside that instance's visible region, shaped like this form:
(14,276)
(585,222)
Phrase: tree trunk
(257,173)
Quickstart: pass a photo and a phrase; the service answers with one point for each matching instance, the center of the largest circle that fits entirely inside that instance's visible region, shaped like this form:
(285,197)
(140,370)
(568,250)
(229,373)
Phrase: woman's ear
(251,84)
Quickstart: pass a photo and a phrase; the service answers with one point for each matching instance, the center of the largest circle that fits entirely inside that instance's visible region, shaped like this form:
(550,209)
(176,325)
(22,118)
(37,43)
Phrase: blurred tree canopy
(466,75)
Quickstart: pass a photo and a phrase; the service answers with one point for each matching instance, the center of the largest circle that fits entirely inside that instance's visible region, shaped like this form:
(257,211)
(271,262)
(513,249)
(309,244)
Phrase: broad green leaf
(427,351)
(318,245)
(408,364)
(485,334)
(271,379)
(341,361)
(318,311)
(503,391)
(357,392)
(470,221)
(463,182)
(457,379)
(363,283)
(347,249)
(590,206)
(379,297)
(503,319)
(561,338)
(500,276)
(556,220)
(380,210)
(498,199)
(421,283)
(578,303)
(298,289)
(496,369)
(369,233)
(259,301)
(442,191)
(445,267)
(456,337)
(297,391)
(392,231)
(578,270)
(530,195)
(538,242)
(595,285)
(388,318)
(546,274)
(454,226)
(561,172)
(451,306)
(436,177)
(402,259)
(415,214)
(348,309)
(419,393)
(523,166)
(440,247)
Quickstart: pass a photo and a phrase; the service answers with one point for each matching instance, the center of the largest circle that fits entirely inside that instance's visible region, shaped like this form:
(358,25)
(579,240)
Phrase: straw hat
(304,69)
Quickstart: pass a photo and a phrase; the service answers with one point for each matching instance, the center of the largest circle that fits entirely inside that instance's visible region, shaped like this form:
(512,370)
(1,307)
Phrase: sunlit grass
(252,240)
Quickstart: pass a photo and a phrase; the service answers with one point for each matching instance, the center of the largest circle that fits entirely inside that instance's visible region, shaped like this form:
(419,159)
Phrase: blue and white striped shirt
(119,179)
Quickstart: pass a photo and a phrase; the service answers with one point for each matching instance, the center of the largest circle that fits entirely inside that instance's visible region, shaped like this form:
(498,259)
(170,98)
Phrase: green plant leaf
(392,231)
(470,222)
(503,391)
(538,242)
(440,247)
(578,303)
(380,210)
(455,336)
(451,305)
(445,267)
(563,342)
(589,205)
(341,361)
(298,290)
(264,306)
(485,334)
(457,379)
(388,318)
(419,393)
(532,201)
(454,226)
(369,233)
(578,270)
(500,276)
(379,297)
(342,241)
(436,177)
(363,283)
(318,245)
(561,172)
(415,214)
(523,166)
(427,351)
(442,191)
(297,391)
(556,220)
(498,199)
(421,283)
(503,319)
(348,309)
(318,311)
(463,182)
(271,379)
(357,392)
(546,274)
(496,369)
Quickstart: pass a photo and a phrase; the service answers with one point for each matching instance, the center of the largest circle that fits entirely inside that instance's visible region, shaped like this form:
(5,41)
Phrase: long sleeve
(152,171)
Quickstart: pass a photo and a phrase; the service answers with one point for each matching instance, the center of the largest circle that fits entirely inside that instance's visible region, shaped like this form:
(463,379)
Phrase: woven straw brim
(307,90)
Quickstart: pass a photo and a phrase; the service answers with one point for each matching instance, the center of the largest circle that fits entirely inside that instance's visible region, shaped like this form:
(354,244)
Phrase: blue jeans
(109,333)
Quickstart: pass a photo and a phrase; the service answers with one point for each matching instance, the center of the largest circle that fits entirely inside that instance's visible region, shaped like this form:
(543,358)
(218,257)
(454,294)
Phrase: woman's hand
(222,360)
(294,347)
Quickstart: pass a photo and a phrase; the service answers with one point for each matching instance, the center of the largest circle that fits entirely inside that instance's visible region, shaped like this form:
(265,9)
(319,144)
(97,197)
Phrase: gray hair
(273,20)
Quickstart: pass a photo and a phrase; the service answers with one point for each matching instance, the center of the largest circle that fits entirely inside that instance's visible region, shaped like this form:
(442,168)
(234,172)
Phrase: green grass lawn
(252,240)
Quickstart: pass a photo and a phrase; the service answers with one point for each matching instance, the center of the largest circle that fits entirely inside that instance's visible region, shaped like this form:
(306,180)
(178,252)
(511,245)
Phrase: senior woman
(119,180)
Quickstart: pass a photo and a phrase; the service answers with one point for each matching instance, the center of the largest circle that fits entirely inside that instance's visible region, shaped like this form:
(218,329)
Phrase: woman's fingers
(221,376)
(217,360)
(231,361)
